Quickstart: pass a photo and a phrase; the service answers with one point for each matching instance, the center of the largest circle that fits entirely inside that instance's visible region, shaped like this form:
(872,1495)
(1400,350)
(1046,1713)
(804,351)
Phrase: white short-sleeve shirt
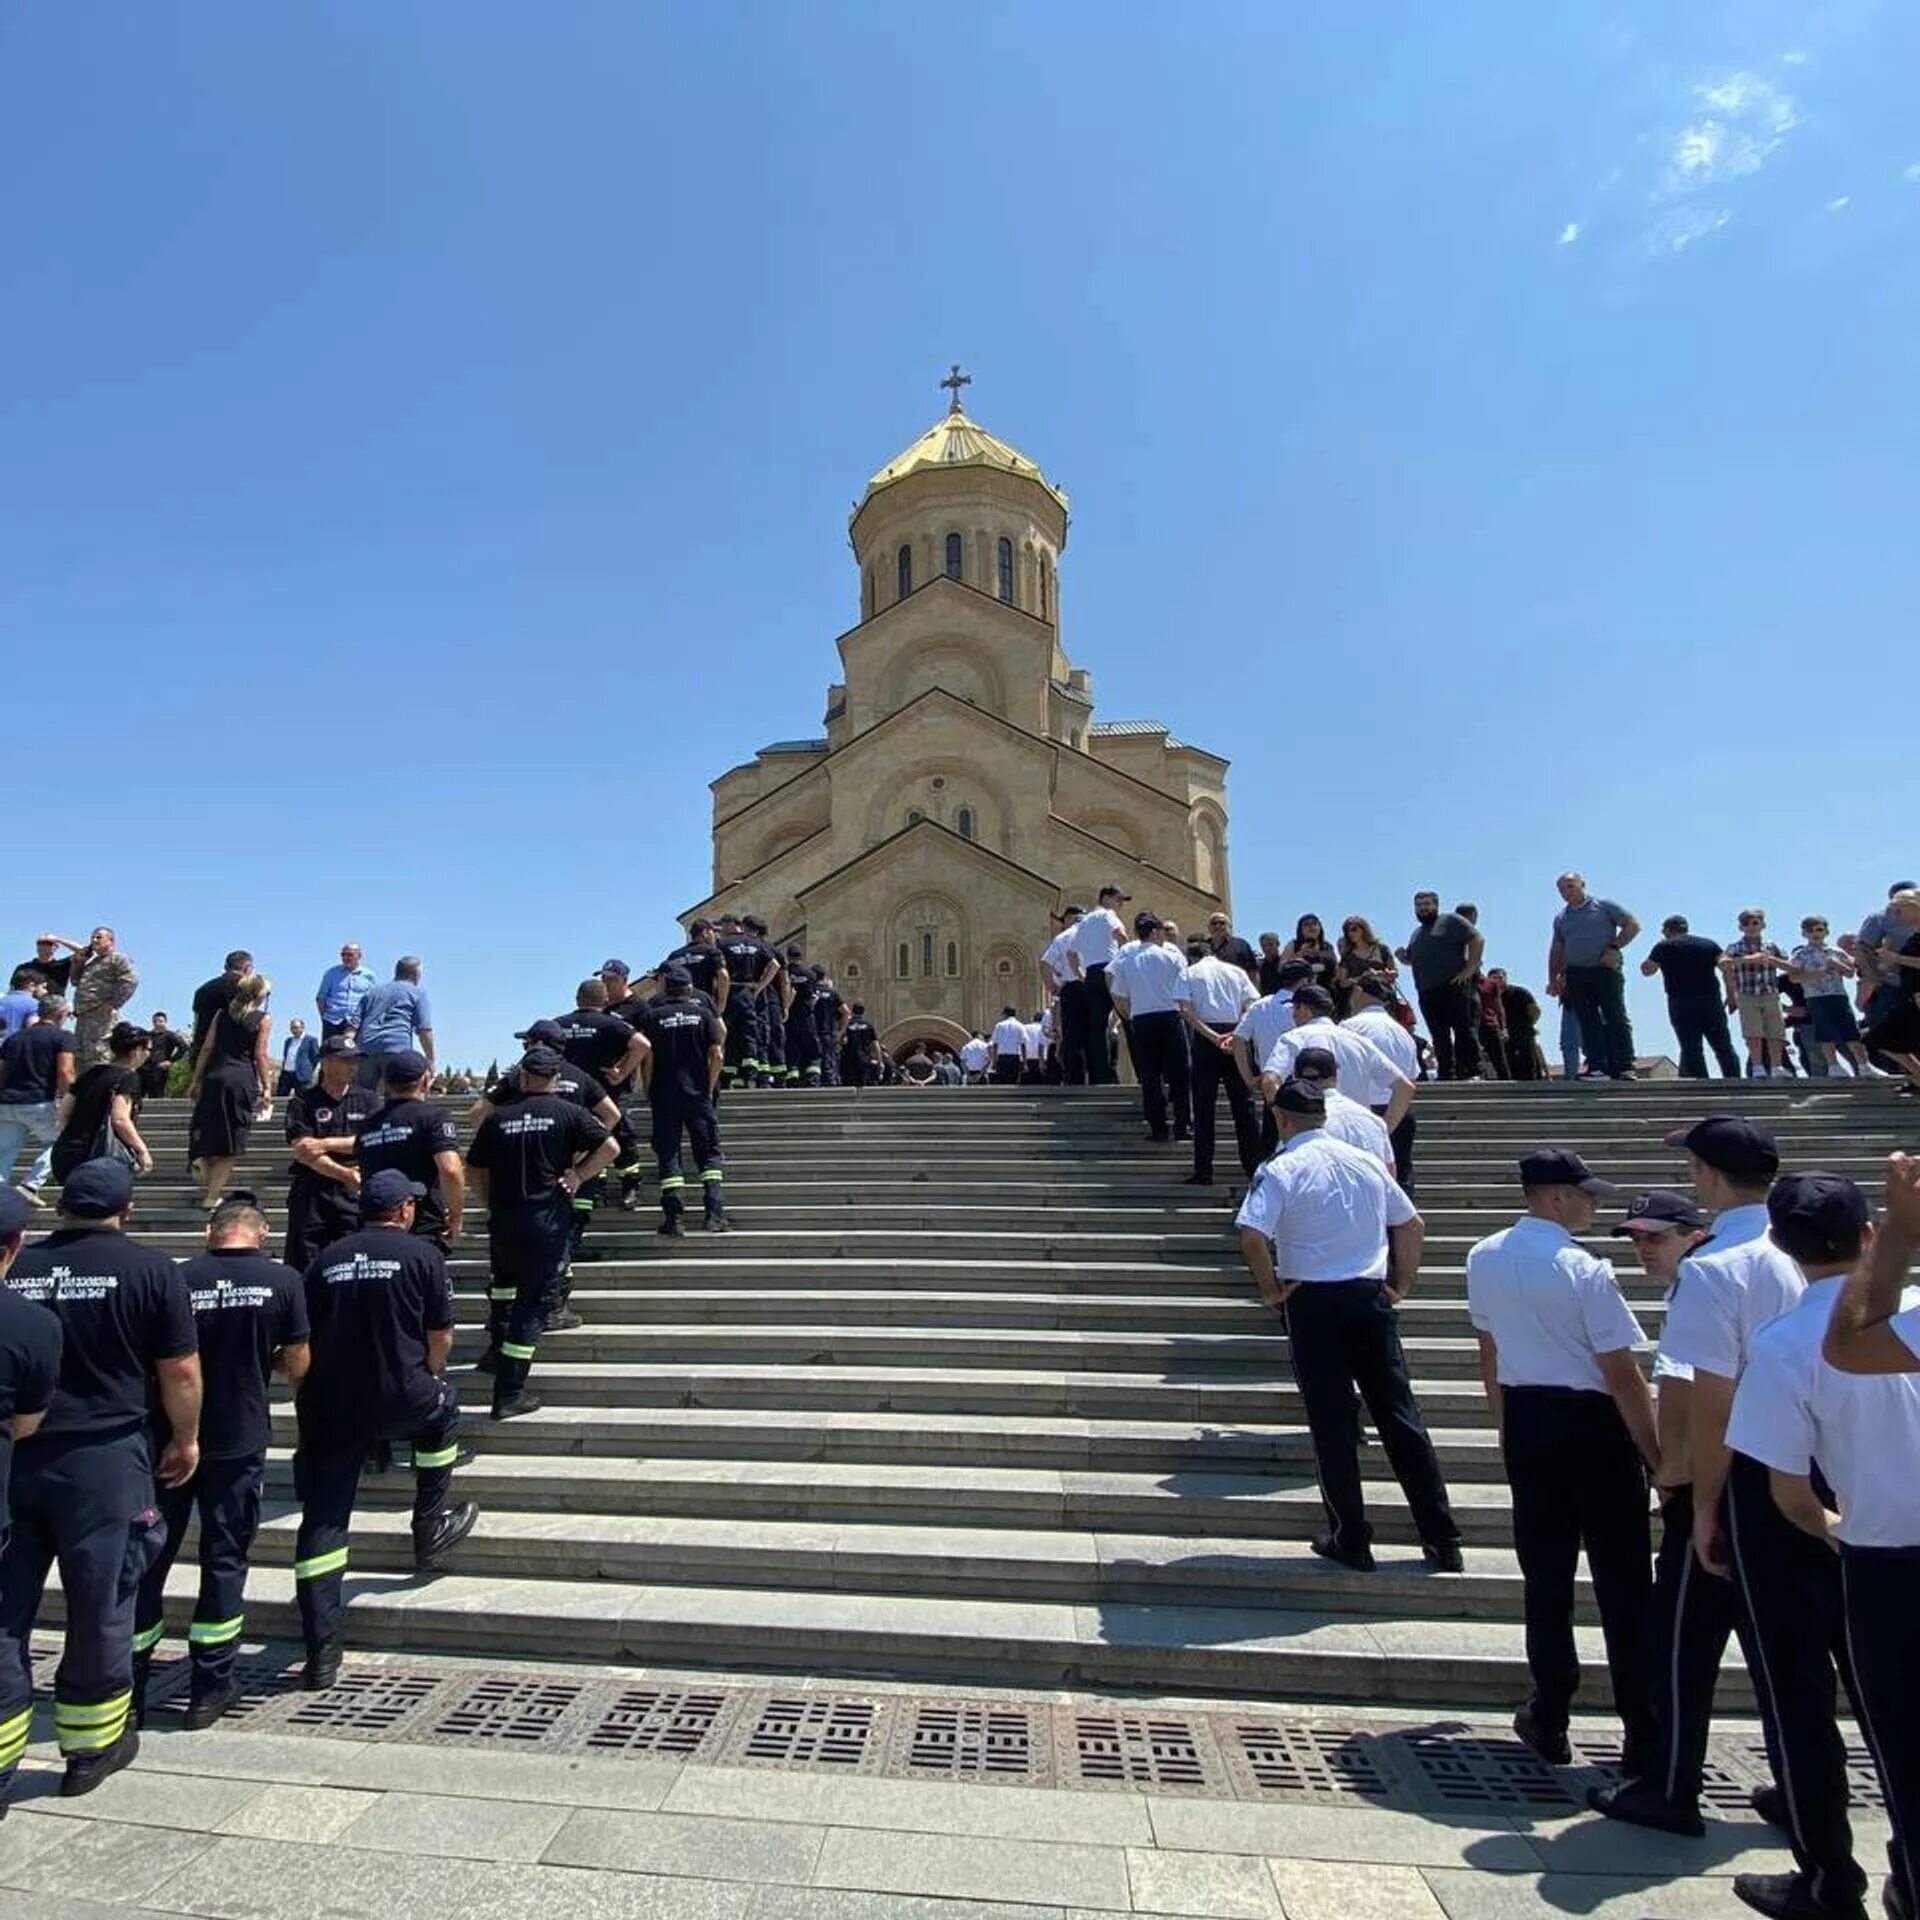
(1095,935)
(1365,1073)
(1151,978)
(1264,1022)
(1217,991)
(1326,1207)
(1009,1035)
(1792,1409)
(1054,955)
(974,1055)
(1550,1306)
(1386,1033)
(1359,1127)
(1726,1293)
(1033,1043)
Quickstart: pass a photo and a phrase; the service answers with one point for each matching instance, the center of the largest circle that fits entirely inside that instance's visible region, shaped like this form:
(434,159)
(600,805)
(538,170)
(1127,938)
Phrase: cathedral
(963,792)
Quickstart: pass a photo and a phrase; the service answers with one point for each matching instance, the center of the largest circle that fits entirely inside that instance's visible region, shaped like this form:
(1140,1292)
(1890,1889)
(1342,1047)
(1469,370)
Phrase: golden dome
(955,440)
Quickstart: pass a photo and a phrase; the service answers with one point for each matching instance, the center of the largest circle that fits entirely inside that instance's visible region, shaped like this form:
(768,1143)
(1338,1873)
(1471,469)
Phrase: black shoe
(1163,1134)
(719,1223)
(1198,1180)
(205,1707)
(137,1712)
(1446,1557)
(630,1197)
(450,1526)
(1549,1743)
(520,1403)
(87,1772)
(1771,1805)
(1788,1896)
(1640,1805)
(488,1362)
(322,1668)
(564,1321)
(1183,1133)
(1359,1562)
(671,1227)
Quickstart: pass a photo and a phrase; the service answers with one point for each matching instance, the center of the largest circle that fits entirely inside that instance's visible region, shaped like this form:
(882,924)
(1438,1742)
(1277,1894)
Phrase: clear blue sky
(427,433)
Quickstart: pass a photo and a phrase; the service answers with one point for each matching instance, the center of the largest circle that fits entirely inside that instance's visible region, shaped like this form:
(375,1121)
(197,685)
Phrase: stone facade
(963,792)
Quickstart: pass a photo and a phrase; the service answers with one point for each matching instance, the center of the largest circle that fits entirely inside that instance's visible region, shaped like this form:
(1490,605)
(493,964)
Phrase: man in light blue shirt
(342,988)
(21,1003)
(395,1017)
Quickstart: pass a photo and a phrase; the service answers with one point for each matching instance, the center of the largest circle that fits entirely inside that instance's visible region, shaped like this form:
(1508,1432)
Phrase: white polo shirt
(1033,1045)
(1217,991)
(1906,1327)
(1054,955)
(1792,1409)
(1095,935)
(1264,1022)
(1009,1035)
(1386,1033)
(974,1055)
(1550,1306)
(1365,1073)
(1326,1207)
(1724,1294)
(1359,1127)
(1150,977)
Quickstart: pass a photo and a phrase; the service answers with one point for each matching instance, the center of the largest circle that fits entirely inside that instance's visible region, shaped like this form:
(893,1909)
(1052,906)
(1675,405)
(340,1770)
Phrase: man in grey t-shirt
(1444,953)
(1583,965)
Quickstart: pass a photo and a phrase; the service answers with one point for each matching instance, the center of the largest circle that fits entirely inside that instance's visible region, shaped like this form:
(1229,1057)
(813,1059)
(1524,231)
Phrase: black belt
(1561,1393)
(1222,1026)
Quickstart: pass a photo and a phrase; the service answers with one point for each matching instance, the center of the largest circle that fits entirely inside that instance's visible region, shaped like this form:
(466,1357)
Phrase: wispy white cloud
(1680,227)
(1911,174)
(1841,204)
(1794,57)
(1742,119)
(1569,233)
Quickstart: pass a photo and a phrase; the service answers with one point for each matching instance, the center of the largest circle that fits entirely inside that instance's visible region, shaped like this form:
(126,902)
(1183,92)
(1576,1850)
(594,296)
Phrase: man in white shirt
(1871,1452)
(1212,997)
(1346,1119)
(976,1056)
(1557,1344)
(1009,1046)
(1733,1284)
(1330,1238)
(1096,937)
(1781,1540)
(1070,991)
(1260,1026)
(1033,1050)
(1365,1072)
(1146,994)
(1371,1020)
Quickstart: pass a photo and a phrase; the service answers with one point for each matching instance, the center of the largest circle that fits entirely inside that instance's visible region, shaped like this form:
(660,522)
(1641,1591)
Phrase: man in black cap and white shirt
(1097,937)
(1734,1284)
(1065,986)
(1146,993)
(1366,1074)
(1577,1434)
(1212,997)
(1870,1449)
(1331,1239)
(1253,1041)
(1371,1021)
(1346,1119)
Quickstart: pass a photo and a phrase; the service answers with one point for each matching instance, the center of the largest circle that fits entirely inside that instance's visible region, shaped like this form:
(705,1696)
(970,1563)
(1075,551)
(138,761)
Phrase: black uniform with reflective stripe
(372,1299)
(315,1114)
(747,958)
(572,1083)
(245,1307)
(407,1134)
(594,1040)
(704,964)
(29,1372)
(682,1033)
(525,1146)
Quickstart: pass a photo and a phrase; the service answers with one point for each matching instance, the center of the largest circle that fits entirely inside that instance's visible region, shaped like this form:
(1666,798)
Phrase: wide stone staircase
(979,1390)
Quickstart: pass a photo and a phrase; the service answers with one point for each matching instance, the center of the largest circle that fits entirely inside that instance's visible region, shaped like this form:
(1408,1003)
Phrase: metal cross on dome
(955,381)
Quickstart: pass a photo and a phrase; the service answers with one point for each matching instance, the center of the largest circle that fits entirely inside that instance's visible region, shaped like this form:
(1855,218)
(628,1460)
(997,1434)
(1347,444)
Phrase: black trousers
(1100,1072)
(316,1218)
(1401,1139)
(1166,1078)
(1523,1054)
(1598,997)
(1881,1586)
(1578,1482)
(741,1065)
(1453,1024)
(1700,1021)
(829,1052)
(1344,1334)
(773,1038)
(226,1494)
(856,1068)
(326,1477)
(1073,1032)
(1214,1070)
(527,1255)
(86,1504)
(1493,1046)
(697,1120)
(1006,1069)
(1787,1587)
(803,1048)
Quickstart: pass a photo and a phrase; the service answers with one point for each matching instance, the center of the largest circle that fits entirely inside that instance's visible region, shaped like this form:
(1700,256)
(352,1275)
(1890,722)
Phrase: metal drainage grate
(1459,1769)
(972,1740)
(1159,1750)
(376,1700)
(1281,1757)
(658,1720)
(800,1730)
(508,1711)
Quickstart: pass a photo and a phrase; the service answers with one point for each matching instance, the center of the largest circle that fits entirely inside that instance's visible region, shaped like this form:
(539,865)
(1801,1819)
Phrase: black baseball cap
(1558,1167)
(383,1191)
(1294,972)
(541,1059)
(1300,1096)
(1817,1215)
(698,927)
(1318,998)
(675,976)
(97,1190)
(340,1046)
(1065,911)
(547,1033)
(1145,922)
(405,1068)
(1316,1063)
(1729,1145)
(615,966)
(1659,1208)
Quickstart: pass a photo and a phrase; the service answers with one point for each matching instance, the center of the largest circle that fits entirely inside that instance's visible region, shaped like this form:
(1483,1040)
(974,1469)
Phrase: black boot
(444,1532)
(322,1668)
(670,1224)
(717,1221)
(1550,1743)
(205,1705)
(86,1771)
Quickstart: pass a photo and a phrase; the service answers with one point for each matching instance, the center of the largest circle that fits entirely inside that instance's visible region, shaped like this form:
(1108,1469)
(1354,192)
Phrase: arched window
(963,823)
(906,571)
(926,955)
(953,556)
(903,960)
(1006,571)
(1046,588)
(953,959)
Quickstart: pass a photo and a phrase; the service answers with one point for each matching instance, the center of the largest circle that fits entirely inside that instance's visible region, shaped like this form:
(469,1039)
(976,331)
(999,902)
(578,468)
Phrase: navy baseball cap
(1557,1167)
(1300,1096)
(542,1060)
(97,1190)
(619,967)
(1316,1063)
(1294,972)
(1729,1145)
(14,1212)
(1817,1215)
(340,1047)
(404,1068)
(547,1033)
(1660,1208)
(700,926)
(675,976)
(382,1192)
(1318,998)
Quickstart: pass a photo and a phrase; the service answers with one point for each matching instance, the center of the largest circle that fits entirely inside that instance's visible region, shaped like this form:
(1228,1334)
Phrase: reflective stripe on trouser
(326,1476)
(697,1120)
(87,1504)
(227,1496)
(803,1048)
(528,1247)
(742,1019)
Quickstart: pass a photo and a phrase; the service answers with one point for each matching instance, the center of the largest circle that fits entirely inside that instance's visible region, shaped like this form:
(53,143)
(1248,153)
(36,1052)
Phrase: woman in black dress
(1310,944)
(230,1081)
(1362,951)
(102,1121)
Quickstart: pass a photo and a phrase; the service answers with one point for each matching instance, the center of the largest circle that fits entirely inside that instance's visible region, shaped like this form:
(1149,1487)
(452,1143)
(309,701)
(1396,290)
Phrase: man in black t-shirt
(324,1122)
(803,1032)
(528,1161)
(250,1314)
(211,995)
(604,1043)
(1689,967)
(829,1020)
(706,965)
(29,1371)
(83,1486)
(752,967)
(776,1001)
(381,1311)
(166,1047)
(689,1049)
(418,1140)
(859,1049)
